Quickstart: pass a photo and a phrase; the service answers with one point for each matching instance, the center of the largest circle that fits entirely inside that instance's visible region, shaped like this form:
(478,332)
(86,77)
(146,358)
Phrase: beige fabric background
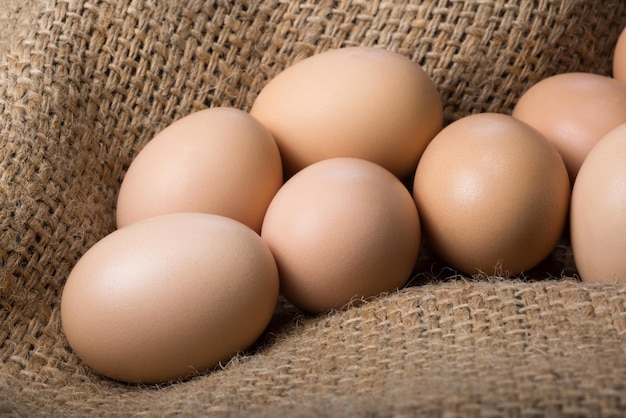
(85,84)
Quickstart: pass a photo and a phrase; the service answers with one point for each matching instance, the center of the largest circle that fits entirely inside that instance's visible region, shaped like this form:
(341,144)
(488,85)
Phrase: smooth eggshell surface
(360,102)
(619,58)
(598,211)
(573,110)
(492,194)
(218,160)
(169,296)
(341,229)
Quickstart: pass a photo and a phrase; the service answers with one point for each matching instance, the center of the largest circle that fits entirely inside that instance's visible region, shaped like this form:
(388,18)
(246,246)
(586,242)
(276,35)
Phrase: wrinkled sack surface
(84,85)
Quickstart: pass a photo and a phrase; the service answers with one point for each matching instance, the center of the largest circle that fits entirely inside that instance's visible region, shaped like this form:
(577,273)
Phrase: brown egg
(619,58)
(169,296)
(573,110)
(492,194)
(341,229)
(359,102)
(598,211)
(218,160)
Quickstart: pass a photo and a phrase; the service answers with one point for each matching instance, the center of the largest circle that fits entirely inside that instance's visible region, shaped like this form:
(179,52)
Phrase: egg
(341,230)
(598,211)
(217,160)
(169,297)
(573,110)
(619,58)
(360,102)
(492,194)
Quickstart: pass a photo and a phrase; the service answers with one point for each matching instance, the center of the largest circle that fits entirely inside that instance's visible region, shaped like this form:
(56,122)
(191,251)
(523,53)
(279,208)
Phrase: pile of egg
(317,193)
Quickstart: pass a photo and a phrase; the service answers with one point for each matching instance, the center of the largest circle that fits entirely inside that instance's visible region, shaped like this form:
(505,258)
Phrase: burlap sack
(85,84)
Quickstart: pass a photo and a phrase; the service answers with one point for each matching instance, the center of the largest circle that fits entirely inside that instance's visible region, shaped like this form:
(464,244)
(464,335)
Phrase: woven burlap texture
(85,84)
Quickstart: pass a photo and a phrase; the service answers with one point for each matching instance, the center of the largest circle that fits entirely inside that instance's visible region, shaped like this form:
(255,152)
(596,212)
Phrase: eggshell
(492,194)
(619,58)
(218,160)
(573,110)
(598,211)
(341,229)
(169,296)
(361,102)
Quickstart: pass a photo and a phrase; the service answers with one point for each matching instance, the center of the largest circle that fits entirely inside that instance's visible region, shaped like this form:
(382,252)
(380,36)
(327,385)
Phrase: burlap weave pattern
(85,84)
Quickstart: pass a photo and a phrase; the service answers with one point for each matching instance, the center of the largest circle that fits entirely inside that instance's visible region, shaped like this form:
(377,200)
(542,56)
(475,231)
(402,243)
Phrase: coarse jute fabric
(85,84)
